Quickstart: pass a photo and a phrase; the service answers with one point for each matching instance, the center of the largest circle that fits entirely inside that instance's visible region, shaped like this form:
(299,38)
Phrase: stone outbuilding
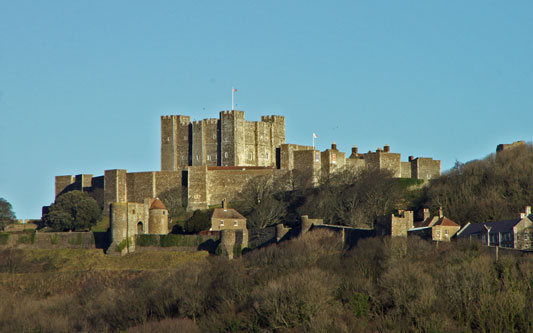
(437,228)
(227,219)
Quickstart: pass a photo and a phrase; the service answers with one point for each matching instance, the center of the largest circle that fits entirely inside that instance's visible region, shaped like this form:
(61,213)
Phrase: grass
(102,225)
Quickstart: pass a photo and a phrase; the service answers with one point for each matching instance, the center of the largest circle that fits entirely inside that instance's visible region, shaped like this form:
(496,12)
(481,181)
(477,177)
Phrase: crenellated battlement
(272,119)
(180,119)
(207,121)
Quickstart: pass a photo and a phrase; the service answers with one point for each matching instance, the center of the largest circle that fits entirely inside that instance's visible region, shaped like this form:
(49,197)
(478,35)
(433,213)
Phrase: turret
(158,220)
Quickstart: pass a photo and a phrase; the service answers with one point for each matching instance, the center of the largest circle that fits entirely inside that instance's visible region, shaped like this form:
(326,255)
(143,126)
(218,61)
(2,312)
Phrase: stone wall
(505,146)
(307,168)
(224,183)
(425,168)
(115,187)
(395,224)
(522,234)
(286,155)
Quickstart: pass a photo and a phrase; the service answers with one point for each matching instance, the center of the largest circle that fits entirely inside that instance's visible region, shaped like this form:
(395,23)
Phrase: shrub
(148,240)
(200,220)
(360,304)
(4,237)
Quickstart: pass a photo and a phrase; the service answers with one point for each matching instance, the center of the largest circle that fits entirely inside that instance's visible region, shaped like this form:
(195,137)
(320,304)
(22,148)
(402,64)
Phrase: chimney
(427,215)
(411,158)
(440,212)
(386,148)
(333,146)
(354,150)
(528,210)
(224,204)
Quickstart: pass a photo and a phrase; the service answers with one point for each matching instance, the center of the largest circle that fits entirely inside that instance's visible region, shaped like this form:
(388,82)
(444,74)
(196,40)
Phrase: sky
(83,83)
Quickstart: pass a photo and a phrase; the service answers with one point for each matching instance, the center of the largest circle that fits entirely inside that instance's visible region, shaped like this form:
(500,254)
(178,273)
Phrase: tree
(73,210)
(7,216)
(261,201)
(354,197)
(200,220)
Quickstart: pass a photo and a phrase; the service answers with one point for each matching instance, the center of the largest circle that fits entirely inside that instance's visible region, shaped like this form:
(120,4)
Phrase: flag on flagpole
(234,90)
(315,136)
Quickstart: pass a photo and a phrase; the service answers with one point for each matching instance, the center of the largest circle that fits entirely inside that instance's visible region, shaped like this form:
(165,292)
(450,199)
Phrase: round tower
(158,219)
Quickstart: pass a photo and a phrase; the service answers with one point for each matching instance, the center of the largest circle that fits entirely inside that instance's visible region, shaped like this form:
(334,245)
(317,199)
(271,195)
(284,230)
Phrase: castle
(209,160)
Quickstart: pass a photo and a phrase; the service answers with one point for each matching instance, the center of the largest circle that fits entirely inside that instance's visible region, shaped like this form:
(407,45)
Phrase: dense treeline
(495,188)
(350,197)
(308,284)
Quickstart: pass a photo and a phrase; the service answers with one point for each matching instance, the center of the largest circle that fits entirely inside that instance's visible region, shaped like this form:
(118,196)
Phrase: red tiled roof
(158,204)
(446,222)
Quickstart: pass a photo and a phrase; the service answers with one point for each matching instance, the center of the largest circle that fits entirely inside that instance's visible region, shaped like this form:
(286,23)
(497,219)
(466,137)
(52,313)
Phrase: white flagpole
(232,98)
(313,141)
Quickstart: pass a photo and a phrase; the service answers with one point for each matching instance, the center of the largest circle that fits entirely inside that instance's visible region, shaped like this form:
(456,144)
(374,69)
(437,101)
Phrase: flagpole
(313,141)
(232,98)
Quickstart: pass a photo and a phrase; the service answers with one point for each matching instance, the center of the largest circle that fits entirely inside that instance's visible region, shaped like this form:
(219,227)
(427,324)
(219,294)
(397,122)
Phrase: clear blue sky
(83,83)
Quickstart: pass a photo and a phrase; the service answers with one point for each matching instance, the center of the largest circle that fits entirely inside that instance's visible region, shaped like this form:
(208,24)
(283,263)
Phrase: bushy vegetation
(7,216)
(200,220)
(495,188)
(73,210)
(308,284)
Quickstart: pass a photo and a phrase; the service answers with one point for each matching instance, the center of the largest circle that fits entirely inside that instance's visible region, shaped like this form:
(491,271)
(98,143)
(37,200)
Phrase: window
(209,157)
(251,156)
(164,213)
(214,137)
(221,223)
(197,157)
(226,154)
(446,232)
(235,223)
(267,156)
(182,158)
(133,211)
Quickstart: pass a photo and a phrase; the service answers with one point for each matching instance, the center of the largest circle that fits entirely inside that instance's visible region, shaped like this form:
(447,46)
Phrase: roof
(435,220)
(430,221)
(495,227)
(446,222)
(228,213)
(158,204)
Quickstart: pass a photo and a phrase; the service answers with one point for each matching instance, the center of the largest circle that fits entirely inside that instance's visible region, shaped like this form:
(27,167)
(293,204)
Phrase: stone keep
(229,140)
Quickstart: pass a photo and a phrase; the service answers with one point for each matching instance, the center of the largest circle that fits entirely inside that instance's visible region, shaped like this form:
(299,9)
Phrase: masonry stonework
(213,159)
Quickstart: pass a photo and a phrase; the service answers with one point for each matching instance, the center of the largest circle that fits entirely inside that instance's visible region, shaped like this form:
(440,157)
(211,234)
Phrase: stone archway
(140,228)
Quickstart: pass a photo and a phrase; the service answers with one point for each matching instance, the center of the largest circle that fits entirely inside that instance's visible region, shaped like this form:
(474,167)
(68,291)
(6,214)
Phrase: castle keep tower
(175,142)
(227,141)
